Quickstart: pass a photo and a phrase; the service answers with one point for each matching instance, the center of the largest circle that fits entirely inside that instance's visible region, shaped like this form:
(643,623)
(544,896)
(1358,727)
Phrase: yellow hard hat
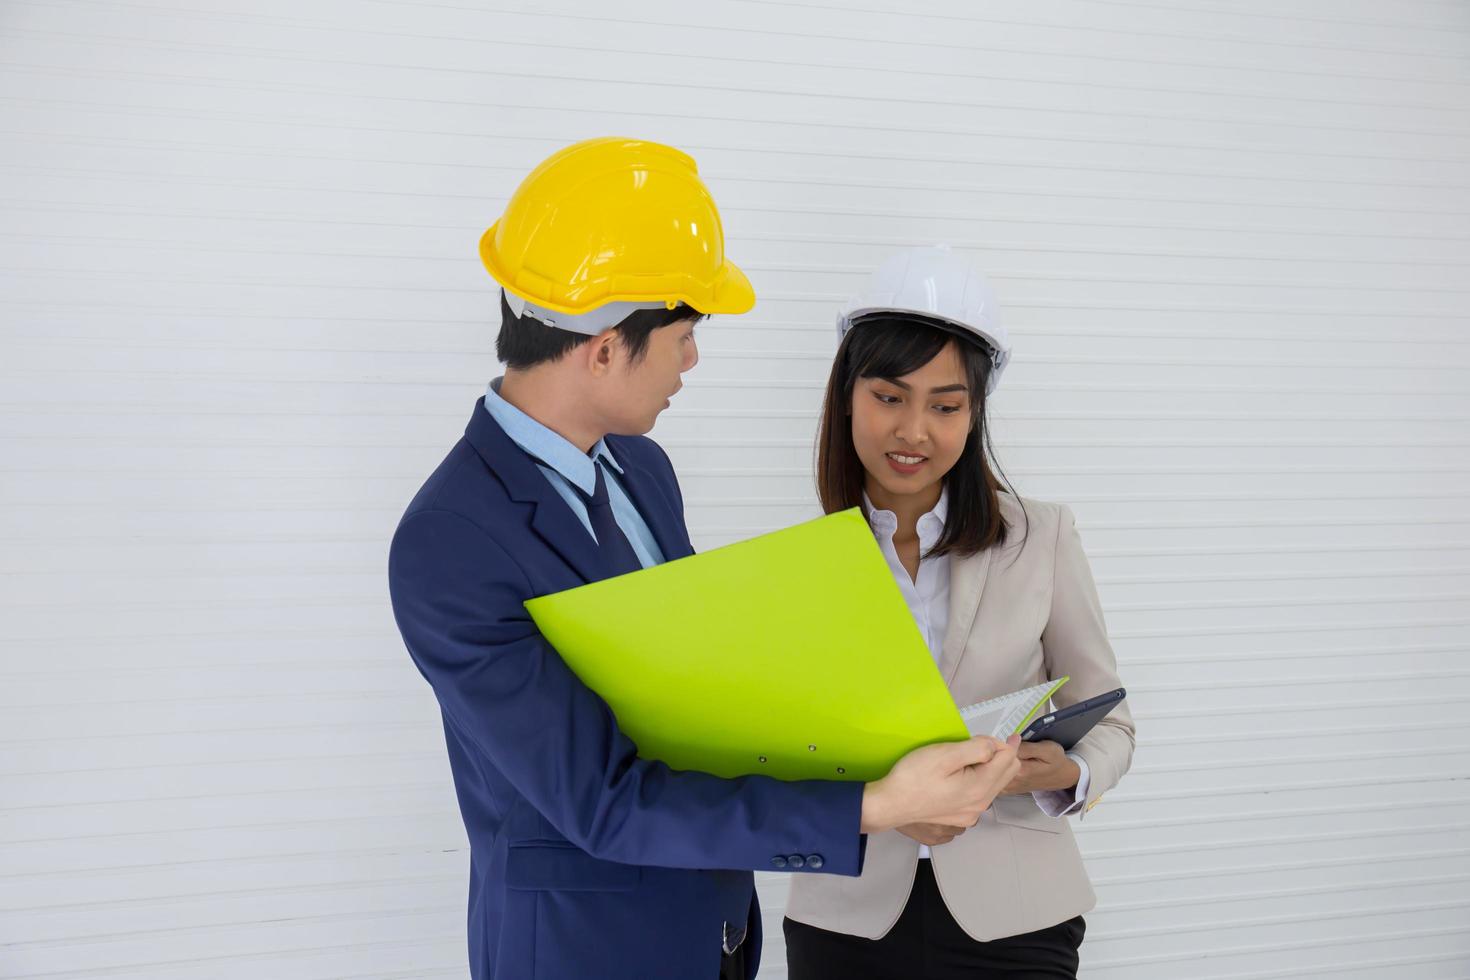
(613,221)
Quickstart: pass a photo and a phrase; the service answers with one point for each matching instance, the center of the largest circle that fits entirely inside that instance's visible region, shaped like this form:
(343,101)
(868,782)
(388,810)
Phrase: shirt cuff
(1060,802)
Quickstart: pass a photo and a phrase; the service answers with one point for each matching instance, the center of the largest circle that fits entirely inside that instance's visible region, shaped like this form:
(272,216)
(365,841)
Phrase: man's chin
(633,427)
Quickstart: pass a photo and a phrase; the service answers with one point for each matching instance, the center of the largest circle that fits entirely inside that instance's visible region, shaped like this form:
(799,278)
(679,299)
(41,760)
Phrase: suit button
(814,861)
(796,861)
(778,861)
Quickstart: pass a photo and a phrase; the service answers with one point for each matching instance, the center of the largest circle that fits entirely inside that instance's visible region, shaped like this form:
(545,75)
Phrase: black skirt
(928,944)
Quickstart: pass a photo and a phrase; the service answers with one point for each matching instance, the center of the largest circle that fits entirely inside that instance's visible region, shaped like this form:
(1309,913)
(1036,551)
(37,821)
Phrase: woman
(1004,597)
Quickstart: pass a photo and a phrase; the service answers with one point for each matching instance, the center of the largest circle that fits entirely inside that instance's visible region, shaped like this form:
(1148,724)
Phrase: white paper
(1005,713)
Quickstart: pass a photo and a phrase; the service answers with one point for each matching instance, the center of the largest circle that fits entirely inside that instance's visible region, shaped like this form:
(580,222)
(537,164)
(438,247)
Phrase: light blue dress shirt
(566,467)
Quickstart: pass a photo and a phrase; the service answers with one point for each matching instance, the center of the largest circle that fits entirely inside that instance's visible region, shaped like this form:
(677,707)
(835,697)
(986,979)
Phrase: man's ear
(602,353)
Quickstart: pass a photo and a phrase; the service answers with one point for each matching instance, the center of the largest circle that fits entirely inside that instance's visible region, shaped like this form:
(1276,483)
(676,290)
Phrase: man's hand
(949,784)
(1044,766)
(932,834)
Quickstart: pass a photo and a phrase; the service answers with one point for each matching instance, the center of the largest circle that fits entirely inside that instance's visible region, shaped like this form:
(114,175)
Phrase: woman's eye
(947,409)
(886,399)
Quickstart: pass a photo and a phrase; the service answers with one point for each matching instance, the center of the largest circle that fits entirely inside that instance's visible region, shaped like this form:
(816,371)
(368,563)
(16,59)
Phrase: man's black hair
(525,342)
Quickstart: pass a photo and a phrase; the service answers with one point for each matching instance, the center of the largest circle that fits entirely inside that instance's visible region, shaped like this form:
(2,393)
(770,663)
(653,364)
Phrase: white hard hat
(934,283)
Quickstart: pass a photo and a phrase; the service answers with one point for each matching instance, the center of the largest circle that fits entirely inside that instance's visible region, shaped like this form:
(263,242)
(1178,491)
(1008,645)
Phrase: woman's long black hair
(891,345)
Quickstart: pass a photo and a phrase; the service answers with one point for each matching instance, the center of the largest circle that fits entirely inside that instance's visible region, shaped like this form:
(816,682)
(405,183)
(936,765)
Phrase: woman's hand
(1044,765)
(932,834)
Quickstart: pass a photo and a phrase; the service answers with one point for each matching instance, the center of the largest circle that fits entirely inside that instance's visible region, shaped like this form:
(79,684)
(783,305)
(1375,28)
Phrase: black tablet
(1067,726)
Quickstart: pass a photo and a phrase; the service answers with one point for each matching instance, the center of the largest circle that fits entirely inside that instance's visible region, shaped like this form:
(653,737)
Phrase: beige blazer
(1019,615)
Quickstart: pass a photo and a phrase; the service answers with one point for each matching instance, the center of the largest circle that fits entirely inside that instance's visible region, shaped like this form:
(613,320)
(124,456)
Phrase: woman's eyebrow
(944,389)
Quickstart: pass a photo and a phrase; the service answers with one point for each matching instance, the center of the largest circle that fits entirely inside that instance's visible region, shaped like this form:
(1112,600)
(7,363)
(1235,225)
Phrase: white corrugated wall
(243,318)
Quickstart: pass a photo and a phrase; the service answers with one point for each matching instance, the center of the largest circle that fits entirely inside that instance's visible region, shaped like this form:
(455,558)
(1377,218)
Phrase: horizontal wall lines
(169,243)
(882,239)
(1357,964)
(237,150)
(1249,656)
(277,889)
(725,30)
(1359,626)
(347,665)
(1442,27)
(111,208)
(1280,97)
(1272,760)
(388,788)
(858,185)
(909,16)
(434,940)
(1247,922)
(1401,936)
(336,819)
(1094,828)
(1119,797)
(101,938)
(1278,869)
(832,299)
(307,632)
(295,856)
(1300,707)
(315,726)
(720,177)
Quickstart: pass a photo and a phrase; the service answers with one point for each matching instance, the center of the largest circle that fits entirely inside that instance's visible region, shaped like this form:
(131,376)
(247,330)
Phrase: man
(585,860)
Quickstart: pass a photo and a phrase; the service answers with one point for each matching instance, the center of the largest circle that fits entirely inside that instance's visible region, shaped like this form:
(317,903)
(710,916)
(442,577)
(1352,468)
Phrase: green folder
(790,655)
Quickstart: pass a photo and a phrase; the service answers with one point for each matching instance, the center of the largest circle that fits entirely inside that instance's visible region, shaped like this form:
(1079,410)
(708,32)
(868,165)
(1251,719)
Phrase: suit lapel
(551,518)
(654,505)
(966,584)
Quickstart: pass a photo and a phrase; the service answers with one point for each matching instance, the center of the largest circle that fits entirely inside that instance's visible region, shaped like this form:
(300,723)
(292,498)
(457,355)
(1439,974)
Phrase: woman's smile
(905,463)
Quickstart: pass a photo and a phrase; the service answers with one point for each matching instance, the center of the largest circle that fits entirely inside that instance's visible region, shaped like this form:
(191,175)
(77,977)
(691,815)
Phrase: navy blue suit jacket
(585,860)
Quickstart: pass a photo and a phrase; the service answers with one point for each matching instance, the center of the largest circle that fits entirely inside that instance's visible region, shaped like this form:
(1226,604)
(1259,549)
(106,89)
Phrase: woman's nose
(911,431)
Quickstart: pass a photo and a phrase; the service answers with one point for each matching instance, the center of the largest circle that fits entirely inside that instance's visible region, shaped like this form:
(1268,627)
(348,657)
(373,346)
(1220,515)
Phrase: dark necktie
(618,556)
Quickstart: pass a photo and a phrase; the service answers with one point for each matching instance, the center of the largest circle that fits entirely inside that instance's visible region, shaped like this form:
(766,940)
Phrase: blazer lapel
(657,510)
(966,583)
(551,518)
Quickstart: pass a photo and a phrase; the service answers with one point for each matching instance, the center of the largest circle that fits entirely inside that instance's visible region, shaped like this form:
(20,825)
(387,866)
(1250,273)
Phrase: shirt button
(814,861)
(796,861)
(778,861)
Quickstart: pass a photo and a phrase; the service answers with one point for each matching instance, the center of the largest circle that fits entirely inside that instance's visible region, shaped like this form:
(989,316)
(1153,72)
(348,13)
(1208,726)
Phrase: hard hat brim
(729,292)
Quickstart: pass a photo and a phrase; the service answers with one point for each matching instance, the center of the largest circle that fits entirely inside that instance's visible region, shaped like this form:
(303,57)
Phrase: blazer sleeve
(458,599)
(1075,642)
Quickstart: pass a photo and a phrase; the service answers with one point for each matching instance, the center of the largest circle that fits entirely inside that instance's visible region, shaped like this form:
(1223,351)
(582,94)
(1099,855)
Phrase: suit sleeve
(1075,642)
(458,598)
